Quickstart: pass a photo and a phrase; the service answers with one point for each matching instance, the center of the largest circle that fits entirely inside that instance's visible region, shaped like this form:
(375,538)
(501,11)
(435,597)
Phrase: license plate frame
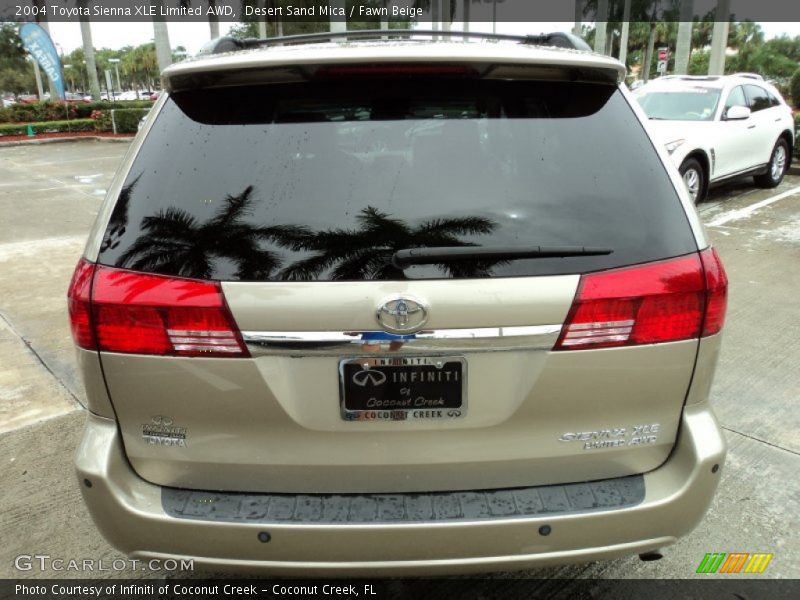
(405,401)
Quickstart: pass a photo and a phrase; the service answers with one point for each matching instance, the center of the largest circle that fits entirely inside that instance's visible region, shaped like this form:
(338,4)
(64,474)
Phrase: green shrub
(127,119)
(57,111)
(38,111)
(85,109)
(47,126)
(794,88)
(796,132)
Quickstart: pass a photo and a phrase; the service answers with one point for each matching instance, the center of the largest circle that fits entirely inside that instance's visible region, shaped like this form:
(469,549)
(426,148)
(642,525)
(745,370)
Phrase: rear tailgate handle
(337,343)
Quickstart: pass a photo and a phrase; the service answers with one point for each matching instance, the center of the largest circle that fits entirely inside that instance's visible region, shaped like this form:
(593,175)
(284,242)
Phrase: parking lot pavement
(49,195)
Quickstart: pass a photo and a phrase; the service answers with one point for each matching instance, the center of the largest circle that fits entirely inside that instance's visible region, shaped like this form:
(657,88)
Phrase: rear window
(326,180)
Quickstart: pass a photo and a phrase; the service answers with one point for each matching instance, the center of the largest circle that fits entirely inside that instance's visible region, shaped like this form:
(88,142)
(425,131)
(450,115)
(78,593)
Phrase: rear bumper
(131,514)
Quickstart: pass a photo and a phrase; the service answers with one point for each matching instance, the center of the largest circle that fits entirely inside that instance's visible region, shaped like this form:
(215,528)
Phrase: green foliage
(794,88)
(774,59)
(16,74)
(38,111)
(698,62)
(138,67)
(12,53)
(16,81)
(52,111)
(102,120)
(796,131)
(85,109)
(47,126)
(127,119)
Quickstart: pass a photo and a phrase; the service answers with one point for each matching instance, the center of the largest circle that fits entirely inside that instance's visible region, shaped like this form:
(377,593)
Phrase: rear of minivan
(369,310)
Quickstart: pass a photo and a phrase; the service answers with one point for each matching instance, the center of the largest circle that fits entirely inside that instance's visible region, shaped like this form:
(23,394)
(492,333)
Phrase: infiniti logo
(402,315)
(376,378)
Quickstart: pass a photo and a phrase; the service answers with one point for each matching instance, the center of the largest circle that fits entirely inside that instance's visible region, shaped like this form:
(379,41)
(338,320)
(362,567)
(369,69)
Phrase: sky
(193,35)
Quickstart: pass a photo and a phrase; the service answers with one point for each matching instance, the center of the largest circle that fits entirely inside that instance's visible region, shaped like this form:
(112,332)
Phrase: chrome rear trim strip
(342,343)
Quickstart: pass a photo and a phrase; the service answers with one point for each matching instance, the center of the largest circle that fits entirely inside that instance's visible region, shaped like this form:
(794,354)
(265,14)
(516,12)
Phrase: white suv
(719,128)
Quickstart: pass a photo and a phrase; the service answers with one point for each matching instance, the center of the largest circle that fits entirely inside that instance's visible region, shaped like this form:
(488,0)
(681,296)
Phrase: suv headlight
(672,146)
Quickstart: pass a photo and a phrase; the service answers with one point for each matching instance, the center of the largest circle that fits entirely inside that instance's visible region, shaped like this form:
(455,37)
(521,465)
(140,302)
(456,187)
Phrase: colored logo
(734,562)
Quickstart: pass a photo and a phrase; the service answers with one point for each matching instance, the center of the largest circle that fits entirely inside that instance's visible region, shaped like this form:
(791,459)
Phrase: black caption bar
(389,589)
(406,12)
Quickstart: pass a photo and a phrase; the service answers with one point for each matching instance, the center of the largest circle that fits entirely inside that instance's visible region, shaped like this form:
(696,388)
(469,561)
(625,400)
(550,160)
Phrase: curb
(89,138)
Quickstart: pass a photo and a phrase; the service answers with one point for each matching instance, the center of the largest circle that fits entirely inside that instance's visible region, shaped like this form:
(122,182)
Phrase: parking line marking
(749,210)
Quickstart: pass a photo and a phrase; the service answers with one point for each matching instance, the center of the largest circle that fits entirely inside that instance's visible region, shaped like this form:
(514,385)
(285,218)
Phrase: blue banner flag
(37,41)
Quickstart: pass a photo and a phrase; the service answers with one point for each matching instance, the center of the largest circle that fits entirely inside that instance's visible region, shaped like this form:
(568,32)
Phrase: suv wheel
(694,178)
(776,167)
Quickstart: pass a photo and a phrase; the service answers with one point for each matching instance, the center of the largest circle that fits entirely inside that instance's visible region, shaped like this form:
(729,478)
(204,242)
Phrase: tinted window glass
(758,97)
(773,99)
(683,104)
(735,98)
(325,181)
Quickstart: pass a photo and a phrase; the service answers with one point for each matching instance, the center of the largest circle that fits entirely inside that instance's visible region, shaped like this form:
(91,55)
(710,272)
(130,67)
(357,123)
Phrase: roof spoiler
(221,45)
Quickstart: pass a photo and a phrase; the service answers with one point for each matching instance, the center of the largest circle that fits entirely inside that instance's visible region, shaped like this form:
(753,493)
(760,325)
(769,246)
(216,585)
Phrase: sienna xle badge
(407,307)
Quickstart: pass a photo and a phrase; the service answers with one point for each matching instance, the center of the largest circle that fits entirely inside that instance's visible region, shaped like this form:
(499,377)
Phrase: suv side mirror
(737,113)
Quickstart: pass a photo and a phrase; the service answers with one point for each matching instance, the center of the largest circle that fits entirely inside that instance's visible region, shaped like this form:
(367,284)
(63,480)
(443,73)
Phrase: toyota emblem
(402,315)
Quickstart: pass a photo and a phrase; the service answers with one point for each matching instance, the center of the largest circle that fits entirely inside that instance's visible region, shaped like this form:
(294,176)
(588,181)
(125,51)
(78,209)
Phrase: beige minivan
(397,307)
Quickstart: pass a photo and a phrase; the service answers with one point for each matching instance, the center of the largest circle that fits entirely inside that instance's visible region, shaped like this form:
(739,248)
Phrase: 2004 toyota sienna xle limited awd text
(397,307)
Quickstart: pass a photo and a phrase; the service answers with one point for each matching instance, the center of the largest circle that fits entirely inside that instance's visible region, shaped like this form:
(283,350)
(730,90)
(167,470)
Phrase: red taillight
(716,290)
(666,301)
(78,303)
(138,313)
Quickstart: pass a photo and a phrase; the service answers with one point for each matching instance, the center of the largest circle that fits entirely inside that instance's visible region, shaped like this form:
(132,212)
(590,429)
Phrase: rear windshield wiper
(427,256)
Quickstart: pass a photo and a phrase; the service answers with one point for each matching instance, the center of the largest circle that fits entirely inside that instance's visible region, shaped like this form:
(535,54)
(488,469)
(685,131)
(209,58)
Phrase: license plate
(402,388)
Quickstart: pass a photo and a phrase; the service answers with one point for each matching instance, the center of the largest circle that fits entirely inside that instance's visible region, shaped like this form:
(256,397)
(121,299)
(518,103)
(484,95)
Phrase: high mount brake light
(665,301)
(396,70)
(115,310)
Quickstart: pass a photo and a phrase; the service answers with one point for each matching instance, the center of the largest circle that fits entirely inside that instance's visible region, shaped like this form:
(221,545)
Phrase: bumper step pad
(539,501)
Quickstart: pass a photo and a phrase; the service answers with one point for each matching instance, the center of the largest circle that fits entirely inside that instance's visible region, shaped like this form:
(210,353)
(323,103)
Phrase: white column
(683,45)
(600,25)
(719,38)
(626,26)
(338,24)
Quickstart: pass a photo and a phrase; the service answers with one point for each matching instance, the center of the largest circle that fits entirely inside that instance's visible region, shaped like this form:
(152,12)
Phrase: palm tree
(683,45)
(366,252)
(88,51)
(140,64)
(173,242)
(719,38)
(600,26)
(625,34)
(118,223)
(161,37)
(213,19)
